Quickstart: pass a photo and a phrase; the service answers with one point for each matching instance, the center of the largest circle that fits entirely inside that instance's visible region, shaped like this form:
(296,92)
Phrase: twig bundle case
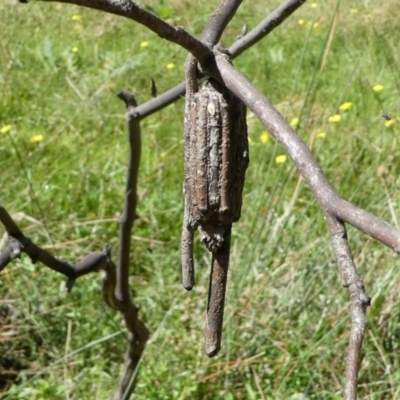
(216,159)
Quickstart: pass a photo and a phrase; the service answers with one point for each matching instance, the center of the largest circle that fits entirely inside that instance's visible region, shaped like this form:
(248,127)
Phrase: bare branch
(138,334)
(115,286)
(163,100)
(19,243)
(359,303)
(129,100)
(116,282)
(260,31)
(130,10)
(219,21)
(304,160)
(285,10)
(128,216)
(211,35)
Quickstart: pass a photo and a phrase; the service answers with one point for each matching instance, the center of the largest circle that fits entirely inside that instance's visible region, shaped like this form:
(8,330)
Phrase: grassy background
(287,319)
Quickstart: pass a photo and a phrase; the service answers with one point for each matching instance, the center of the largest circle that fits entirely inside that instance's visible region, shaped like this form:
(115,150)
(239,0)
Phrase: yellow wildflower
(301,22)
(354,10)
(320,135)
(335,118)
(144,44)
(314,5)
(281,159)
(36,139)
(294,122)
(74,49)
(170,65)
(390,123)
(78,28)
(316,24)
(377,88)
(345,106)
(76,17)
(264,137)
(5,129)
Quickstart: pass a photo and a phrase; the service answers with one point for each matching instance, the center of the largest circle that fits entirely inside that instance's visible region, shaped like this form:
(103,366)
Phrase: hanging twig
(216,296)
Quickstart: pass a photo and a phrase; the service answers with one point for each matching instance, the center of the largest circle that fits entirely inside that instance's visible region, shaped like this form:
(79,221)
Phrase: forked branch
(18,243)
(210,35)
(115,285)
(273,20)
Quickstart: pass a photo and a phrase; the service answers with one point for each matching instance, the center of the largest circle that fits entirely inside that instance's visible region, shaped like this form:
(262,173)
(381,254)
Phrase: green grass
(287,316)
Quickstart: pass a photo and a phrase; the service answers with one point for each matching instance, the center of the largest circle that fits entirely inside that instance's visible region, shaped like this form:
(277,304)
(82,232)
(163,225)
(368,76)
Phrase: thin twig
(128,216)
(219,21)
(138,333)
(273,20)
(359,303)
(19,243)
(187,262)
